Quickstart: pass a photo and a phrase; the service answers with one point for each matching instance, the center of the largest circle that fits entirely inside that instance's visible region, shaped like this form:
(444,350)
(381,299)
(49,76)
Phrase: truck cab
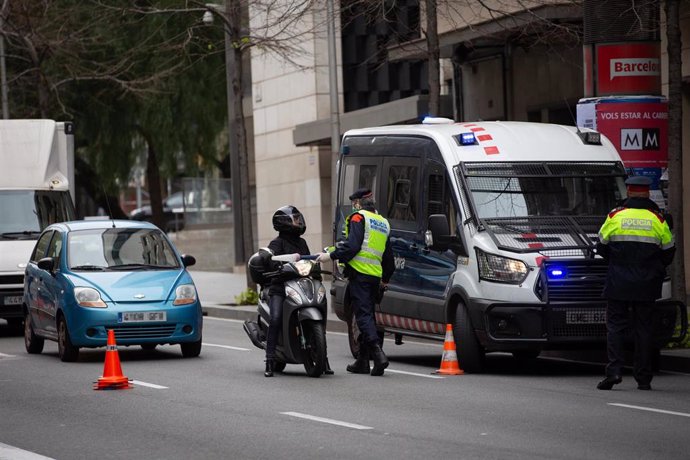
(36,190)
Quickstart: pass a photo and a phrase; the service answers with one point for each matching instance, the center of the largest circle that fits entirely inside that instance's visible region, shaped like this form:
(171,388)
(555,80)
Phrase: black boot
(361,364)
(380,360)
(328,370)
(269,368)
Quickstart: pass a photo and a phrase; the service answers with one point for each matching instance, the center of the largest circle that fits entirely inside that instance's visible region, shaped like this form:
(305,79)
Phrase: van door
(436,267)
(400,204)
(356,172)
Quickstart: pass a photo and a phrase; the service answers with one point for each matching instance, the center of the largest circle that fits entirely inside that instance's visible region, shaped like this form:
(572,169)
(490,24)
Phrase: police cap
(361,193)
(638,181)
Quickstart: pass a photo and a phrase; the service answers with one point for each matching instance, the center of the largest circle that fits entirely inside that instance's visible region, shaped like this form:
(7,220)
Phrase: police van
(493,228)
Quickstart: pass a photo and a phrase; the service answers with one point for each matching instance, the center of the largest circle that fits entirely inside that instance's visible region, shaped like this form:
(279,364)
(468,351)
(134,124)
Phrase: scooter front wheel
(315,354)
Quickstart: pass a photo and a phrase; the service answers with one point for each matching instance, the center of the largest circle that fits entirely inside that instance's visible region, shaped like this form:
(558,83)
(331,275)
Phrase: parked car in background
(177,204)
(85,277)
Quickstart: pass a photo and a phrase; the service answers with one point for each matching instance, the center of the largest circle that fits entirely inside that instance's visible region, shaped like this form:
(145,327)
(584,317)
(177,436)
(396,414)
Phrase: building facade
(505,64)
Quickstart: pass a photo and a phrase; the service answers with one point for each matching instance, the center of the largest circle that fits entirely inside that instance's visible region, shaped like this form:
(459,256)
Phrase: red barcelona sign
(628,68)
(639,131)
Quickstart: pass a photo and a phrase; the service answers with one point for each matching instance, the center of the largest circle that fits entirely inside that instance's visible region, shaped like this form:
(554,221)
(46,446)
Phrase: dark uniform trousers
(618,314)
(363,292)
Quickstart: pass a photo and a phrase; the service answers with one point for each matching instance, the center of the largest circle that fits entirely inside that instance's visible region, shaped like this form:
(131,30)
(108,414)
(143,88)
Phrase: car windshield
(119,248)
(501,190)
(26,212)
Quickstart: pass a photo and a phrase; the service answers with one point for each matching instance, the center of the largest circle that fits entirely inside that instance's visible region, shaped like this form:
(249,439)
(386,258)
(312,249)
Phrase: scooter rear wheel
(315,356)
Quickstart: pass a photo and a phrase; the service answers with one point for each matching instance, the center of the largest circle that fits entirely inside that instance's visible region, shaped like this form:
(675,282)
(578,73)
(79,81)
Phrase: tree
(675,139)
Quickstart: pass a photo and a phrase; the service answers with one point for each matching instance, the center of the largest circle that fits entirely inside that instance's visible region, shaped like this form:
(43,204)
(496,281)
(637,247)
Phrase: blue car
(86,277)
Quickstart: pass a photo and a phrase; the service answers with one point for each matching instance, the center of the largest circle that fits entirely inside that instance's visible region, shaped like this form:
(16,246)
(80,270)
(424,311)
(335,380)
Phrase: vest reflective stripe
(368,259)
(636,225)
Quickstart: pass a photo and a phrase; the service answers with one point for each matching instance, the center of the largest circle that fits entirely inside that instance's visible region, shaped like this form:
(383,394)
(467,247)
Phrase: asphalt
(218,292)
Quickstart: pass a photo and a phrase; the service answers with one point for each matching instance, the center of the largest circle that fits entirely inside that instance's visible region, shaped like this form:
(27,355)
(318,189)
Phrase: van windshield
(505,190)
(25,213)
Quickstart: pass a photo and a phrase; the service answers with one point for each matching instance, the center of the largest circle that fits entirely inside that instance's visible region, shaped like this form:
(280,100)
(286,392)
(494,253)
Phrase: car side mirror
(47,264)
(439,238)
(188,260)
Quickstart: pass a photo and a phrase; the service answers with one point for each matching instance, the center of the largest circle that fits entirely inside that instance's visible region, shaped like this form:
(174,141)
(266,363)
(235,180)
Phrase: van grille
(562,328)
(11,279)
(583,281)
(144,332)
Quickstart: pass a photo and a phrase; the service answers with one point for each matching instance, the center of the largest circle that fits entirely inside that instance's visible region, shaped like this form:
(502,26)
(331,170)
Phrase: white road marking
(15,453)
(426,376)
(327,420)
(651,409)
(150,385)
(225,346)
(3,355)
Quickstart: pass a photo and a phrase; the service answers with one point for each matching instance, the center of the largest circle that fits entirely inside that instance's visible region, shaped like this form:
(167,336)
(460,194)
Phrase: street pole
(233,150)
(3,74)
(335,109)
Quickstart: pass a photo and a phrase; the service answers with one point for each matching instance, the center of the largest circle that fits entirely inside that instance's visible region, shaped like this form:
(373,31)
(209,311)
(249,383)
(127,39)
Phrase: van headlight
(185,294)
(88,297)
(501,269)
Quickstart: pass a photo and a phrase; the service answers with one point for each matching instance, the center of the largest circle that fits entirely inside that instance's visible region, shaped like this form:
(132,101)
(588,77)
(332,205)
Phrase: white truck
(36,190)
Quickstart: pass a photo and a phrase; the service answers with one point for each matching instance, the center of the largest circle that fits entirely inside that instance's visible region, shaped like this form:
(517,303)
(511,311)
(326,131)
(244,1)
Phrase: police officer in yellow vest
(369,263)
(638,245)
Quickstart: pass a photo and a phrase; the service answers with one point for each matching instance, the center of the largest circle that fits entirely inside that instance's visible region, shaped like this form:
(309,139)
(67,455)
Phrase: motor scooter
(302,338)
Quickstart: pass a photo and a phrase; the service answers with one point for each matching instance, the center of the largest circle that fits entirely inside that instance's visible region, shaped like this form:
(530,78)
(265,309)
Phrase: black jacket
(636,270)
(285,243)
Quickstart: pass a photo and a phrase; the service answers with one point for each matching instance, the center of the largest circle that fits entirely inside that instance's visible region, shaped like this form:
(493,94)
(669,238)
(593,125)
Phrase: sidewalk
(217,291)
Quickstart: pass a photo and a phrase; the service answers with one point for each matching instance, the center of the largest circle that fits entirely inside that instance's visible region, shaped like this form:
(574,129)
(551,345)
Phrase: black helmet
(289,219)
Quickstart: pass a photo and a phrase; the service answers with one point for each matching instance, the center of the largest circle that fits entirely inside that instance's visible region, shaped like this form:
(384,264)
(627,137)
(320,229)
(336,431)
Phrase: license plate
(13,300)
(141,316)
(585,317)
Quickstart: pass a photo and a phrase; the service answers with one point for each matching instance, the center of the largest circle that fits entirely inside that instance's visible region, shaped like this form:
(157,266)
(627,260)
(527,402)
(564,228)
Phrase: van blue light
(556,272)
(467,139)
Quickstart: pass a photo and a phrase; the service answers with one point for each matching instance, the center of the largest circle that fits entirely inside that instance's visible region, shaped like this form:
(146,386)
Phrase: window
(55,248)
(402,193)
(41,247)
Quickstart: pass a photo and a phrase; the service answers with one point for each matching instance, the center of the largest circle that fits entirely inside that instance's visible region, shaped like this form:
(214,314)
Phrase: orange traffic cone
(112,378)
(449,361)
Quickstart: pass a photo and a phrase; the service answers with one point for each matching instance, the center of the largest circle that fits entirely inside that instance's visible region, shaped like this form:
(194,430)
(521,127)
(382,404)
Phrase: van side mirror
(188,260)
(47,264)
(439,238)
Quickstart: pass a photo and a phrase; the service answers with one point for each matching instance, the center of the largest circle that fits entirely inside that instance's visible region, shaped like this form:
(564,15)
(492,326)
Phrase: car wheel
(148,346)
(470,353)
(191,349)
(68,353)
(32,342)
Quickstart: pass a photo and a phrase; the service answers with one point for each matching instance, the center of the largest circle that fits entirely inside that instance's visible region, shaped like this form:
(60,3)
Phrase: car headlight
(293,294)
(321,294)
(185,294)
(501,269)
(88,297)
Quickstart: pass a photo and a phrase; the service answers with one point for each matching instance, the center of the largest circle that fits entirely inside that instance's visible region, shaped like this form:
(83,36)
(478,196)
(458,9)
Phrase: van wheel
(352,335)
(68,353)
(470,353)
(32,342)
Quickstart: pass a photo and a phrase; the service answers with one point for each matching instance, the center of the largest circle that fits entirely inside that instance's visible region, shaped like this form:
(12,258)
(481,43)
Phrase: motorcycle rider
(289,222)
